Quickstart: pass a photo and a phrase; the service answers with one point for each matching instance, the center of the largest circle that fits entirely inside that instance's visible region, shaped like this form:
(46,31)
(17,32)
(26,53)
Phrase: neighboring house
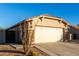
(2,36)
(39,29)
(74,30)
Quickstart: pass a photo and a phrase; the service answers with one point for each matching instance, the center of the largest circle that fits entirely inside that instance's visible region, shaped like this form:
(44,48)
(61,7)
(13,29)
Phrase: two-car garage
(48,34)
(49,29)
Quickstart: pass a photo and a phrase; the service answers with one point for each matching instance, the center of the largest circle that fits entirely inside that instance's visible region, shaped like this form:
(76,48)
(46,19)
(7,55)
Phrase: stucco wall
(48,22)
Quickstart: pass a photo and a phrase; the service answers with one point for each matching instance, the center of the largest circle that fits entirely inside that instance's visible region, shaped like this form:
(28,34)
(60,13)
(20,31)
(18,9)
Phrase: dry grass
(7,50)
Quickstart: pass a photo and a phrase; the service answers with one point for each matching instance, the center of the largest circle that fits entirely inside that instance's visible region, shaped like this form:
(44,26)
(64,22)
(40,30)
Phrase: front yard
(7,50)
(43,49)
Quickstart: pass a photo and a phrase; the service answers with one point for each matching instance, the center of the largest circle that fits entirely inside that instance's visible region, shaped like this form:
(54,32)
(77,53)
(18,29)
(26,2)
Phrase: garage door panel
(46,34)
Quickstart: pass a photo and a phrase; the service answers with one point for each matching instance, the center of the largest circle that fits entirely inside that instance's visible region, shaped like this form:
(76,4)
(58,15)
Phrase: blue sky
(11,14)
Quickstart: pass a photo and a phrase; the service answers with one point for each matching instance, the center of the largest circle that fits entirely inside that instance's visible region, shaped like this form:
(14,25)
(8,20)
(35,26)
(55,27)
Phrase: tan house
(40,29)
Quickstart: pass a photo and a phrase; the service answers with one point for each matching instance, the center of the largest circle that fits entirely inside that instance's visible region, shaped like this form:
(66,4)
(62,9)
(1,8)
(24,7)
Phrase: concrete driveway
(59,48)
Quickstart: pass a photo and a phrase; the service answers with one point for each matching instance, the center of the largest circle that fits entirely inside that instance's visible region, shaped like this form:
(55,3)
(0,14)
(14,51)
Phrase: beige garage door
(46,34)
